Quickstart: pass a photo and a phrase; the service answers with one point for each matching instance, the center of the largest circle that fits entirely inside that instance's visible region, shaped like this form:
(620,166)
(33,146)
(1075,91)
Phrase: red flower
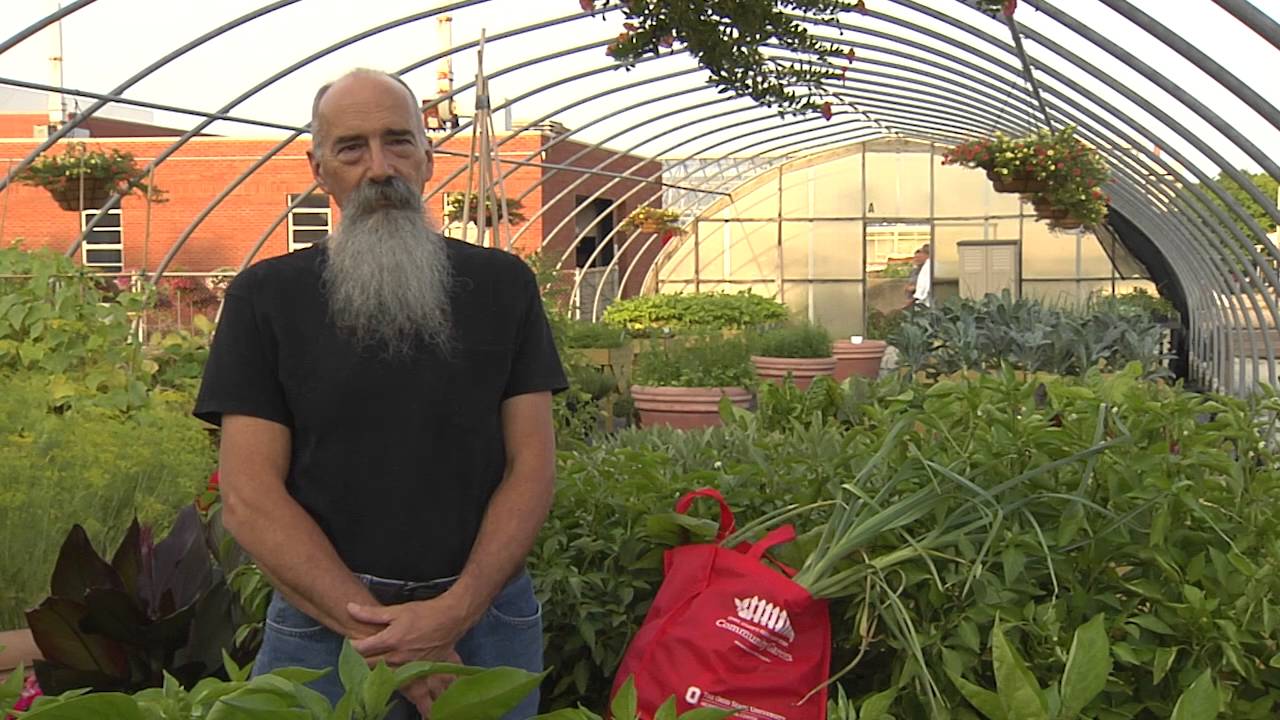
(205,500)
(825,110)
(667,41)
(587,5)
(30,691)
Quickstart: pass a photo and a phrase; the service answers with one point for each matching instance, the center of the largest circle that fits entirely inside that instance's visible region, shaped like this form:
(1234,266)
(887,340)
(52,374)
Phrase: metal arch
(1195,232)
(1221,75)
(287,71)
(42,23)
(577,282)
(297,132)
(1253,18)
(135,79)
(350,40)
(1078,63)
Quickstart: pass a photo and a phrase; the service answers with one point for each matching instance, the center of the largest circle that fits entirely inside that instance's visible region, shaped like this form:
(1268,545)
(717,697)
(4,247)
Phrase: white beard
(388,276)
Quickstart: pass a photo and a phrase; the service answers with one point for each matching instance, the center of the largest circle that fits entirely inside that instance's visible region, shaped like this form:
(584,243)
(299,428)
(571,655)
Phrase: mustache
(392,192)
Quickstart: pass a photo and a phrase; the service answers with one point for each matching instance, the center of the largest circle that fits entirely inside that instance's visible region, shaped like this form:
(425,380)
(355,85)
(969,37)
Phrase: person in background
(920,283)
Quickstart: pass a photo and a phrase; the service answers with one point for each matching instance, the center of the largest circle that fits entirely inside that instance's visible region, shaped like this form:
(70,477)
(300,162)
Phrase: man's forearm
(291,549)
(511,523)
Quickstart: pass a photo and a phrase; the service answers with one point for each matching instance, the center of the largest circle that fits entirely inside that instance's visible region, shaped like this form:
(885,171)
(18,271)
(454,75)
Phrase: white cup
(855,339)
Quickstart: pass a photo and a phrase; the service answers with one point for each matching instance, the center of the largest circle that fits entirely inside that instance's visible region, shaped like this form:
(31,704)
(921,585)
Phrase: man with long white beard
(387,451)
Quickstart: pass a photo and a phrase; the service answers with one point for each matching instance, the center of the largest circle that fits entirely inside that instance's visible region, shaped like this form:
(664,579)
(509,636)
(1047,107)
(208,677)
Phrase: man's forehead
(368,97)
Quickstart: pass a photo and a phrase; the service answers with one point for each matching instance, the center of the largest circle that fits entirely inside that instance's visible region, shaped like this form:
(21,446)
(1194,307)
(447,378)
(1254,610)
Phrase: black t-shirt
(395,458)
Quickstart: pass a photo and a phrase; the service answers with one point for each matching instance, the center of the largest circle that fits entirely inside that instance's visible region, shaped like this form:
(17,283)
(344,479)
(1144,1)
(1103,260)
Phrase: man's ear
(316,173)
(431,158)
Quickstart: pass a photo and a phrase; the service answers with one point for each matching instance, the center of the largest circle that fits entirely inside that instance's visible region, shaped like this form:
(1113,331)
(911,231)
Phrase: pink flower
(587,5)
(30,691)
(826,111)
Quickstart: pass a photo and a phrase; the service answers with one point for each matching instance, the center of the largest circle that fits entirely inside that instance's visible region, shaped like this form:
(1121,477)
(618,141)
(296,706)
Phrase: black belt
(393,592)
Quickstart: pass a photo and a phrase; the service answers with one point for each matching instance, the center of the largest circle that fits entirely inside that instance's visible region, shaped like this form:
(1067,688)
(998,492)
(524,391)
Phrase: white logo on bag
(759,611)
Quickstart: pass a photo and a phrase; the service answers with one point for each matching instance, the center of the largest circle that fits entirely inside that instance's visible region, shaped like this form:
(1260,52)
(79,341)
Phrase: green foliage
(1137,301)
(663,313)
(1111,496)
(734,42)
(699,362)
(1027,335)
(1266,184)
(89,465)
(801,340)
(154,609)
(583,334)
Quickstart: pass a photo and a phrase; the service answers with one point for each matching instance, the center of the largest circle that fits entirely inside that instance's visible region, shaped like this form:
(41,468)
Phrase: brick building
(557,202)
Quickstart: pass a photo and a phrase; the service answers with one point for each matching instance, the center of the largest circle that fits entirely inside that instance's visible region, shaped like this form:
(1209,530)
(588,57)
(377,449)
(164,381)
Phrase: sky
(108,41)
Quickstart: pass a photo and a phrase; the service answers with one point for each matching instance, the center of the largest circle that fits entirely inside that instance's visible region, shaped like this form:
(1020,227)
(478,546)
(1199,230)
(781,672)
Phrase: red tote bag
(728,631)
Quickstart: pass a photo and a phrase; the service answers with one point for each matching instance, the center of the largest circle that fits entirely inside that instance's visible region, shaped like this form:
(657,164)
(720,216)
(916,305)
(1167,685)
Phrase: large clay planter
(862,359)
(801,370)
(684,408)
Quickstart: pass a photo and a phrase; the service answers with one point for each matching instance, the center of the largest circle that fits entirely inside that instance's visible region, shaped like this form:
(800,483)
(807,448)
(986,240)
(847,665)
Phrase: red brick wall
(20,125)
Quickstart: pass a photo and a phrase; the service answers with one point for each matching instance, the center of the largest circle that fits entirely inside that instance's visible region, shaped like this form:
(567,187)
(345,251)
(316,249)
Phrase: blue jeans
(509,634)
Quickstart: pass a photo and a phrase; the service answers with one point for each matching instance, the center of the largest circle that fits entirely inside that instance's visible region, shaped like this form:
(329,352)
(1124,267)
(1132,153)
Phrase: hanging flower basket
(456,205)
(90,174)
(67,193)
(652,220)
(1055,166)
(1066,223)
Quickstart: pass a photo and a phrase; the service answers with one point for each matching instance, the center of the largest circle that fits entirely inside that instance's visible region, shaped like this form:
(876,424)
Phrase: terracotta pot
(67,195)
(684,408)
(1066,222)
(862,359)
(801,370)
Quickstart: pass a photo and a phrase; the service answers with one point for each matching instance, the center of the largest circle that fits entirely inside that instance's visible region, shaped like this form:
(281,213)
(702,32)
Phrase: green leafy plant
(704,362)
(665,313)
(97,171)
(965,334)
(583,334)
(154,609)
(735,44)
(801,340)
(1158,309)
(86,464)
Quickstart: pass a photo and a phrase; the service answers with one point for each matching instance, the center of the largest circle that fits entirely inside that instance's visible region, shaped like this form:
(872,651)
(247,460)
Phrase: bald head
(359,77)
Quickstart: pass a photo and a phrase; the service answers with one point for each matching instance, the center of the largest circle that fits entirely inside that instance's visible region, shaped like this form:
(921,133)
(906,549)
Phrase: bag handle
(726,515)
(776,536)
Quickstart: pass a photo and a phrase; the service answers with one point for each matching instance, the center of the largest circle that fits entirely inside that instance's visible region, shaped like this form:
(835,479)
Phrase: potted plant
(681,385)
(92,175)
(652,220)
(801,352)
(456,204)
(1061,176)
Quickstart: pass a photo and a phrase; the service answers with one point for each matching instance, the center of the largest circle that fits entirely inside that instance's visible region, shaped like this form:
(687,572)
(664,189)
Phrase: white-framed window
(310,221)
(103,247)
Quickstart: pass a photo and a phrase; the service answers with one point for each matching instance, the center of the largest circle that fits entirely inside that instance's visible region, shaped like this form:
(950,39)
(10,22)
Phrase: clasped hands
(422,630)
